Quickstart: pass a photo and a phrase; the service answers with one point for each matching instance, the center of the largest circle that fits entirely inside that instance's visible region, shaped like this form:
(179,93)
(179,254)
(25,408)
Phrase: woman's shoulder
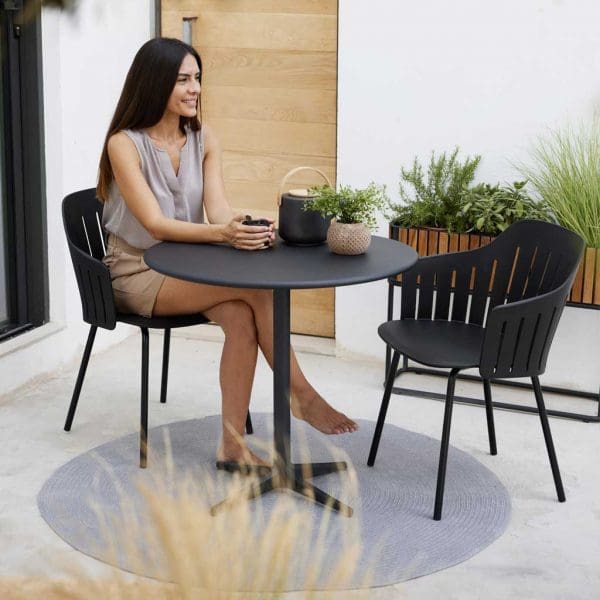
(122,144)
(121,139)
(210,141)
(134,135)
(197,137)
(207,131)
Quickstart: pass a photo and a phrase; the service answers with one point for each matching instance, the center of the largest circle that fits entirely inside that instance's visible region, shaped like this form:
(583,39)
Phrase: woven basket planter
(348,238)
(428,241)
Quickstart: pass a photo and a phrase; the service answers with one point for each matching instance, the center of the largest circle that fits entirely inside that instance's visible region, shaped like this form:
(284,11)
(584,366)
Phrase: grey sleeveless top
(179,196)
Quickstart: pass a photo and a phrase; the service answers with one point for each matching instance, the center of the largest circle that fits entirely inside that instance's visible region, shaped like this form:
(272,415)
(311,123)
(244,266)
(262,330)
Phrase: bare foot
(321,415)
(241,454)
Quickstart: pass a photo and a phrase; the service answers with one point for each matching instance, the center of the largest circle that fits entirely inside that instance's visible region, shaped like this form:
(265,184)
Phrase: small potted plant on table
(353,215)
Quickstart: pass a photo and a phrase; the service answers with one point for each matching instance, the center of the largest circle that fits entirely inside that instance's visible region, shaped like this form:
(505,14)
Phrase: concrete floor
(549,550)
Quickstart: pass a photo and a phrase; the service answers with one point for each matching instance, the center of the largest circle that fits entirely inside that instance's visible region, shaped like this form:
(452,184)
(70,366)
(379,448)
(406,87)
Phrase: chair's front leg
(390,316)
(441,478)
(539,398)
(249,428)
(80,376)
(489,413)
(144,399)
(165,366)
(389,384)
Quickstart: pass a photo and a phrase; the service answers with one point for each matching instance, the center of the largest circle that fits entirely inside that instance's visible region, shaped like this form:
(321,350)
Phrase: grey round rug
(393,500)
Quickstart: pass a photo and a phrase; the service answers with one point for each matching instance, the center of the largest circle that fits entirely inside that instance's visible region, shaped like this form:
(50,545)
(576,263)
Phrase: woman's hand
(248,237)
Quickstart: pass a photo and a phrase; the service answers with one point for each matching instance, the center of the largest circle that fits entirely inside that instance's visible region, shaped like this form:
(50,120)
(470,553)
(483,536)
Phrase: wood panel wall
(269,90)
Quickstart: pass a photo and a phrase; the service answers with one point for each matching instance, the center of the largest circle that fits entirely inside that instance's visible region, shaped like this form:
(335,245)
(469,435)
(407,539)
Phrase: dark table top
(282,266)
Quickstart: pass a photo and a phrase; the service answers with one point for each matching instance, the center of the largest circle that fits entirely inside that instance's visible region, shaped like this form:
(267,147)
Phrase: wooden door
(269,91)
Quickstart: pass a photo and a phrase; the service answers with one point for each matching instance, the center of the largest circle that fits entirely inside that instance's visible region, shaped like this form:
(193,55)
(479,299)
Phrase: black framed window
(4,280)
(23,252)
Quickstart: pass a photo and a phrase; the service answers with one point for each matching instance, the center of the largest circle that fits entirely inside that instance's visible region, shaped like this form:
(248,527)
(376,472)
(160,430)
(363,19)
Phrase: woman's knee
(260,298)
(236,317)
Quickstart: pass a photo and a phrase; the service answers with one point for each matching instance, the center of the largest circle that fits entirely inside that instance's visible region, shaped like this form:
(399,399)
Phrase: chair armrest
(518,335)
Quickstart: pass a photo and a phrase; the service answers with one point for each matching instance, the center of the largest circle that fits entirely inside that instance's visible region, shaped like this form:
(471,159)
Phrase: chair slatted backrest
(82,218)
(530,260)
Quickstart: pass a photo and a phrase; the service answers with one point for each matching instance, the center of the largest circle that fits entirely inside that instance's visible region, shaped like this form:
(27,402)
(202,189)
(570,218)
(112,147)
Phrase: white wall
(487,76)
(85,59)
(413,77)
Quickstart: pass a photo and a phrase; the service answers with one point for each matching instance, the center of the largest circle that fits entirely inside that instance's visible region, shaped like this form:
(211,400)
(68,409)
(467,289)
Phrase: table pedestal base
(294,477)
(285,474)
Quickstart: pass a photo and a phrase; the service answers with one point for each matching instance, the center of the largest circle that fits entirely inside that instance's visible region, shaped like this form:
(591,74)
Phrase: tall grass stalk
(565,172)
(240,553)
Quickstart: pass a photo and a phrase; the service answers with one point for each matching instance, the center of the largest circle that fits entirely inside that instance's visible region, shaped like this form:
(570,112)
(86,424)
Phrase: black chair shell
(82,218)
(495,308)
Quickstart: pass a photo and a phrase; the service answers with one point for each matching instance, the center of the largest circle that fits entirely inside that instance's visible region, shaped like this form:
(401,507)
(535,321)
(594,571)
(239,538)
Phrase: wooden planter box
(427,241)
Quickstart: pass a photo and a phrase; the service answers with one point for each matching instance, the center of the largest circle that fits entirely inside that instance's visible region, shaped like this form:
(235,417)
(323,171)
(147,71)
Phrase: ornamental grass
(565,172)
(243,552)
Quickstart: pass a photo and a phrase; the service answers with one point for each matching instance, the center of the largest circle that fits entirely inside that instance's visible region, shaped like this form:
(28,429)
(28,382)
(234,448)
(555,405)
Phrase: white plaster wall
(487,76)
(85,58)
(413,76)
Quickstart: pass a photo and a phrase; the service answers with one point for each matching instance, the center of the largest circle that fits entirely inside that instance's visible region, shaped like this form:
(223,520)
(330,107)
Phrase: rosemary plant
(435,199)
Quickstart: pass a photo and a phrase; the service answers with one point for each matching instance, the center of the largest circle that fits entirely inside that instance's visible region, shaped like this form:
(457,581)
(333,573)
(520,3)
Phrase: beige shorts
(135,284)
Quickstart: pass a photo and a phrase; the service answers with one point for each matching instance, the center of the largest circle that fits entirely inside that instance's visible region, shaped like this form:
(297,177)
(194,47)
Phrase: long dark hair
(148,86)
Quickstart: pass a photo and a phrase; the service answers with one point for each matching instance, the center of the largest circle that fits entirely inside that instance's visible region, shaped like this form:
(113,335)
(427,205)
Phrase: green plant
(434,200)
(566,175)
(349,205)
(491,209)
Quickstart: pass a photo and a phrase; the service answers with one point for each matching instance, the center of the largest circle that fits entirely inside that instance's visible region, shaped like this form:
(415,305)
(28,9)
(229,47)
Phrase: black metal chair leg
(539,398)
(384,406)
(249,428)
(144,400)
(390,316)
(85,359)
(165,366)
(489,413)
(441,479)
(388,357)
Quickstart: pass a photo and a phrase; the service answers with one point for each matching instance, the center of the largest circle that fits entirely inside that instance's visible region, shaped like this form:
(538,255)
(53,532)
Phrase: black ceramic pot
(300,227)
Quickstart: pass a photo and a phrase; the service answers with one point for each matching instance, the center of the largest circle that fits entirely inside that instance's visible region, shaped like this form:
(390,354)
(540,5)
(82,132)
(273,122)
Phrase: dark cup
(300,227)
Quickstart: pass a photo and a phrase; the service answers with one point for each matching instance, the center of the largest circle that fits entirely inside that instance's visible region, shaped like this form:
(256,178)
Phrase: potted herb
(443,211)
(353,213)
(565,173)
(434,199)
(429,218)
(490,209)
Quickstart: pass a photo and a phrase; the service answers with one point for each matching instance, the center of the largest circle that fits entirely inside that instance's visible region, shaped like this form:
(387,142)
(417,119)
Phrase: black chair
(495,308)
(82,214)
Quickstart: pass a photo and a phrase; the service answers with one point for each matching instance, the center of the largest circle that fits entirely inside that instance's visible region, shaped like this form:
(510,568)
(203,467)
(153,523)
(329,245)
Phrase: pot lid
(301,193)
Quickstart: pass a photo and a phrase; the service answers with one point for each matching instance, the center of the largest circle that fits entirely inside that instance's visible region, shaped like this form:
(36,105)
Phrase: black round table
(282,268)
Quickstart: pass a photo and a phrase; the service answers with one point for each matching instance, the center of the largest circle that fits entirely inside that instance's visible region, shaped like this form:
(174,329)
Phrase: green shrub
(434,200)
(445,197)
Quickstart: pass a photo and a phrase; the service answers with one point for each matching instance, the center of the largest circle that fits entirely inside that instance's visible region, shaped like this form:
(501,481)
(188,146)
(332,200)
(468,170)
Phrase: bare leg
(182,297)
(236,374)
